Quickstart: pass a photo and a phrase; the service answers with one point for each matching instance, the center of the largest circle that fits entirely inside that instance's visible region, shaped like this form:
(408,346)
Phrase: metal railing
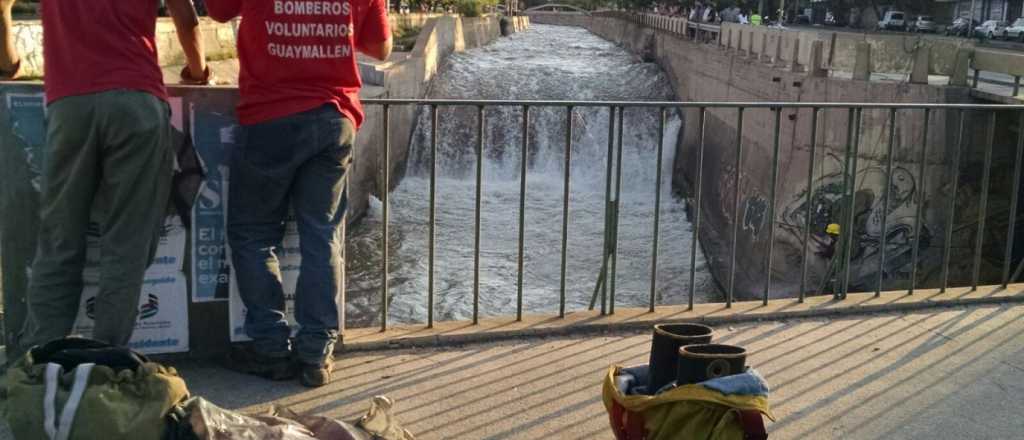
(853,113)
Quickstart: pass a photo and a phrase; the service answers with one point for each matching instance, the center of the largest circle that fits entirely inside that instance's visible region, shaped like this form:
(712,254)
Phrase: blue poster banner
(213,135)
(28,123)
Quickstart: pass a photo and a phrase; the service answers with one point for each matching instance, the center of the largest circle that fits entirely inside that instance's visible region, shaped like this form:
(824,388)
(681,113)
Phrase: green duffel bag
(78,389)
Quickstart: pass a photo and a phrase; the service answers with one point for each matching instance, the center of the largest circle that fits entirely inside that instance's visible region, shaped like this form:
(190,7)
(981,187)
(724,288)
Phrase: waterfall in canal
(544,63)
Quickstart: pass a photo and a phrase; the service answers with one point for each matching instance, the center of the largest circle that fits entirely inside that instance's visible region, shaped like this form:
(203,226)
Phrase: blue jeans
(297,161)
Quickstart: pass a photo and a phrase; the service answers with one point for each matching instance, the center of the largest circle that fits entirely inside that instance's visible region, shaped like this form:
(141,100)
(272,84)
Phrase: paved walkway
(942,374)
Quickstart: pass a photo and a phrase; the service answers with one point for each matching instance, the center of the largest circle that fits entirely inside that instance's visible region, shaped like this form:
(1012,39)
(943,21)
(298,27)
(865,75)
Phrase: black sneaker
(315,375)
(245,359)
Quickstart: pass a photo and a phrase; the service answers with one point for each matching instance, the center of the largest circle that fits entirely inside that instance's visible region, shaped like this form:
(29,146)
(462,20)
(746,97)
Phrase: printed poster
(28,123)
(170,252)
(162,325)
(214,138)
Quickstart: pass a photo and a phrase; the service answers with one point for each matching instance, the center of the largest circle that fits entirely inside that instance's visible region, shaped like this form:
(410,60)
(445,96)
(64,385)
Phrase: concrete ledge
(493,329)
(218,38)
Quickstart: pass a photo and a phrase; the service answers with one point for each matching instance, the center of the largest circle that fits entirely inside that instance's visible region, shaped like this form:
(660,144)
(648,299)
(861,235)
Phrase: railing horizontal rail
(692,104)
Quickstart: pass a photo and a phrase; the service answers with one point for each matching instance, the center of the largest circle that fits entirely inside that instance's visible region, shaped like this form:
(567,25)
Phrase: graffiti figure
(896,224)
(871,220)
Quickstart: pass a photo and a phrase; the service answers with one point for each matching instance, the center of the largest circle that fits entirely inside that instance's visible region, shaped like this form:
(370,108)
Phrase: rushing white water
(551,63)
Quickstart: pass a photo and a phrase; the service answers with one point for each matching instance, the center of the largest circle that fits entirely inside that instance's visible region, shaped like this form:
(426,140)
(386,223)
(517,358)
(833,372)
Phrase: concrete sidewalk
(941,373)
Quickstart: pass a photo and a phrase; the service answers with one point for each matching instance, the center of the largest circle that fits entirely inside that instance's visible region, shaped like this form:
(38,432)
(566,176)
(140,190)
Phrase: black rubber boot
(245,359)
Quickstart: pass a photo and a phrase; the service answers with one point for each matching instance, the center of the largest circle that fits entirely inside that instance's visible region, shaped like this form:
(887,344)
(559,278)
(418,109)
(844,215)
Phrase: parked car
(834,20)
(990,29)
(1015,31)
(961,27)
(923,23)
(893,21)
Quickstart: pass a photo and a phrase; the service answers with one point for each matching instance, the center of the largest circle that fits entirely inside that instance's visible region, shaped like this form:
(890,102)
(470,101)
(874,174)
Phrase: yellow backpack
(688,412)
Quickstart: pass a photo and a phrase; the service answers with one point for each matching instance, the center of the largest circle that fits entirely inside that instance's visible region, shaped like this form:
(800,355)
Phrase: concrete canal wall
(712,72)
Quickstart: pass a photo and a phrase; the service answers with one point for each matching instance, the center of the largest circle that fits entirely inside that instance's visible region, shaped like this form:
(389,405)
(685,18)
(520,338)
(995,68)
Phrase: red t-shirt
(297,55)
(91,46)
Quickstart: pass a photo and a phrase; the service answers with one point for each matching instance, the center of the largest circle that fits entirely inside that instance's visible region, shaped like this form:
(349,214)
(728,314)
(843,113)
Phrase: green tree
(474,8)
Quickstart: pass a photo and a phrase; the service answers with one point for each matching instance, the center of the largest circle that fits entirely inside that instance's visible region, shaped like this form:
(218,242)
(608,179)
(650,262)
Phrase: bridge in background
(556,7)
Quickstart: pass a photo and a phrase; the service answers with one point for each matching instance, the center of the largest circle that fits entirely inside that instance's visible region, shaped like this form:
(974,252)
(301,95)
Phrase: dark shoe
(315,375)
(245,359)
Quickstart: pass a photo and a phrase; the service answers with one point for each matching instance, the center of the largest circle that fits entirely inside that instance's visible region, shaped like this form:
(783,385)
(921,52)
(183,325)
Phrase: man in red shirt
(299,110)
(108,146)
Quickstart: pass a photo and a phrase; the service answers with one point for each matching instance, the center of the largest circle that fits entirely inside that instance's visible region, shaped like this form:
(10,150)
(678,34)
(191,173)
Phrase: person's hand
(187,78)
(6,5)
(13,73)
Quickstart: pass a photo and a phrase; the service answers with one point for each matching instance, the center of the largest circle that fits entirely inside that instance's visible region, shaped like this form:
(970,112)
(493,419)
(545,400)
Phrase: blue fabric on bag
(748,383)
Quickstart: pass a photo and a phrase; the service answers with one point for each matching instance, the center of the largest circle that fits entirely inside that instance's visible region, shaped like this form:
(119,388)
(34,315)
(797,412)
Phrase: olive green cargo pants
(108,151)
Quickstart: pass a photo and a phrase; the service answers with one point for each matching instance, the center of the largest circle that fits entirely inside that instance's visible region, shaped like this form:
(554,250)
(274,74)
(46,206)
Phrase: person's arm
(10,61)
(223,10)
(373,36)
(186,22)
(380,51)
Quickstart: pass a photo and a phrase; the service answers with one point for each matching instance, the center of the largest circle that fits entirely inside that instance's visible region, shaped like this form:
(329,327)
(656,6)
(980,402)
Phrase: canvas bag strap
(61,430)
(753,425)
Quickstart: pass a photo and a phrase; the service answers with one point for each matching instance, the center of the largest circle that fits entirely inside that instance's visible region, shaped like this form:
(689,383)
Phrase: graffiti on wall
(871,219)
(755,214)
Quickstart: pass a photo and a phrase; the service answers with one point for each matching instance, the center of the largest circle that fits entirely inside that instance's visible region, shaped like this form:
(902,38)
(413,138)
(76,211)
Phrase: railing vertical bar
(696,209)
(565,208)
(947,246)
(886,194)
(736,205)
(607,210)
(431,247)
(615,214)
(847,229)
(657,208)
(810,199)
(476,225)
(524,161)
(922,161)
(771,206)
(986,175)
(384,221)
(1014,188)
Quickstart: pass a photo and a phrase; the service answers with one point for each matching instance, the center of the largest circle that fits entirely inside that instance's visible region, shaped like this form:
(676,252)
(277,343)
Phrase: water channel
(551,63)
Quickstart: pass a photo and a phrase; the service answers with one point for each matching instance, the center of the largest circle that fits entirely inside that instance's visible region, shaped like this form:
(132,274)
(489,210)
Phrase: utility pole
(970,20)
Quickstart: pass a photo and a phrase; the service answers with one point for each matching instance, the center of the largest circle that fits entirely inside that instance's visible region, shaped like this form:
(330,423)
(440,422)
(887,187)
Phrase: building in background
(981,10)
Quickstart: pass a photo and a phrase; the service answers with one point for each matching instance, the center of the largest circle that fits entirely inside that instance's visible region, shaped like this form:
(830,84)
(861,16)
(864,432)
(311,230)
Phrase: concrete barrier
(218,38)
(891,53)
(989,60)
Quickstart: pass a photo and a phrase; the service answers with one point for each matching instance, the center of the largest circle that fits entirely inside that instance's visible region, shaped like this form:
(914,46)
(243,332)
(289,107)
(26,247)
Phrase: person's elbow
(380,51)
(221,15)
(222,11)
